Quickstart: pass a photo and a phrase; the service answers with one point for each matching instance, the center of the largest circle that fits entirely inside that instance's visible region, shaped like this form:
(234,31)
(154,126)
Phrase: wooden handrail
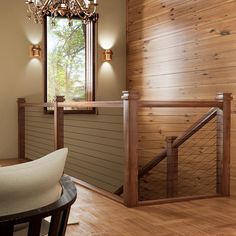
(195,127)
(198,103)
(45,104)
(151,164)
(92,104)
(108,104)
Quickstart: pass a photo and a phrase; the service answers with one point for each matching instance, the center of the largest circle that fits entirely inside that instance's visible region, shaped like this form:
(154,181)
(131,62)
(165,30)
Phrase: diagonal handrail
(179,141)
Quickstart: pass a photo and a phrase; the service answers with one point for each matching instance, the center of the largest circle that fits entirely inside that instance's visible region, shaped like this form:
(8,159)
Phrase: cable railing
(113,145)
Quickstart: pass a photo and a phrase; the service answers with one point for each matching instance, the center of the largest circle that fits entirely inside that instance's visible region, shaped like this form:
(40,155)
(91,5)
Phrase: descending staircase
(177,142)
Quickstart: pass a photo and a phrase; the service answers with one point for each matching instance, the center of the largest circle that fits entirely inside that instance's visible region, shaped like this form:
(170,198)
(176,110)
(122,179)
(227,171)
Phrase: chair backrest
(31,185)
(59,212)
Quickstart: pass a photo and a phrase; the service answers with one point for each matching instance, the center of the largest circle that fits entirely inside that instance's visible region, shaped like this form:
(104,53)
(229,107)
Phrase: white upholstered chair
(32,185)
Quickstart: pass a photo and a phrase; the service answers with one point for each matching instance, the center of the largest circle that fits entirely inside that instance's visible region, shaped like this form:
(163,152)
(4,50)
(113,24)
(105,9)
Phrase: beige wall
(111,34)
(20,77)
(23,77)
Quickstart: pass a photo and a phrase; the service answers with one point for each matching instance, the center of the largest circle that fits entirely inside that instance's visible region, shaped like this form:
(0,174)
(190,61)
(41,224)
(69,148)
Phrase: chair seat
(59,212)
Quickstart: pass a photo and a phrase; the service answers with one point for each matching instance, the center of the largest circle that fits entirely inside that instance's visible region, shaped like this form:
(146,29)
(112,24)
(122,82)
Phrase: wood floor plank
(100,216)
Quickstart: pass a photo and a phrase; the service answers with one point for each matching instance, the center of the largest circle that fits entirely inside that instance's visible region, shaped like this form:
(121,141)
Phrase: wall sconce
(35,51)
(107,55)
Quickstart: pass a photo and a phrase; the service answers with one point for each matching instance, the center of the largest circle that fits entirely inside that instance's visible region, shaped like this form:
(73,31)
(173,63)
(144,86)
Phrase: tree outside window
(69,60)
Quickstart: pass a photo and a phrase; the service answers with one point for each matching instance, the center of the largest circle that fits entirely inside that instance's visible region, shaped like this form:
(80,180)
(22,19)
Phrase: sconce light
(107,55)
(35,51)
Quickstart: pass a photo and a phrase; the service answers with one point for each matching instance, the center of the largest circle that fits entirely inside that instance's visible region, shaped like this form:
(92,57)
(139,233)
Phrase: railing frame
(172,168)
(21,128)
(223,144)
(130,100)
(130,105)
(58,123)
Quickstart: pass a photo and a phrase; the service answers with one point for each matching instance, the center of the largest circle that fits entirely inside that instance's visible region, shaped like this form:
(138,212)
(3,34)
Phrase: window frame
(89,62)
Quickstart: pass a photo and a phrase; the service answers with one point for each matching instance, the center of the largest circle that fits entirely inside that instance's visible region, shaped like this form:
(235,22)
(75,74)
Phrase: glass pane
(66,60)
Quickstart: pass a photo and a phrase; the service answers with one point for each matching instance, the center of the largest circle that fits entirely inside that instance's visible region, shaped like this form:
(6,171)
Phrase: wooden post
(223,144)
(172,167)
(21,128)
(130,148)
(58,123)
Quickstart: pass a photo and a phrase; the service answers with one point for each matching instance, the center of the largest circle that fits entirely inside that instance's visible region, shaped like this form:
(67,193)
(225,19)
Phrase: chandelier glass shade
(84,9)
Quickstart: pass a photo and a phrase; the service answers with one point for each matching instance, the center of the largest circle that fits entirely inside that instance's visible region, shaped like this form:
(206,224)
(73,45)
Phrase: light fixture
(35,51)
(84,9)
(107,55)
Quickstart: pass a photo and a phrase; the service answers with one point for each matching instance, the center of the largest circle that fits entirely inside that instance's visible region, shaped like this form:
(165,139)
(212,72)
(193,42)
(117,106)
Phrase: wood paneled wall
(183,49)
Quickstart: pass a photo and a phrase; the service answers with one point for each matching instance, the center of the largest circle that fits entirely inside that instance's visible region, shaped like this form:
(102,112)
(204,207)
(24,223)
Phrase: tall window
(69,69)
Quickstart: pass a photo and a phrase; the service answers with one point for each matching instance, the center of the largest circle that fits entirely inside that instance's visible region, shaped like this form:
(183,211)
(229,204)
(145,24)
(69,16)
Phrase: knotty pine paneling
(180,49)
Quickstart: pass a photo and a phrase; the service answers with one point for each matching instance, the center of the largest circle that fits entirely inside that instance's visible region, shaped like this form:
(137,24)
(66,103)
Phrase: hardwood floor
(9,162)
(100,216)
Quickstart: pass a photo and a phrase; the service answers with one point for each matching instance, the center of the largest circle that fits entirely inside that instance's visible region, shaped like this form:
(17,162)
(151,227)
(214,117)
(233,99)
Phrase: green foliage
(66,60)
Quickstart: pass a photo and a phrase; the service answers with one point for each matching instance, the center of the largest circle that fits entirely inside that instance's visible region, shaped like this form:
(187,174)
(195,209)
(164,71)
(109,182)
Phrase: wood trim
(130,148)
(59,123)
(108,104)
(174,200)
(46,104)
(195,127)
(89,61)
(151,164)
(9,162)
(21,128)
(225,164)
(199,103)
(92,104)
(98,190)
(219,151)
(172,168)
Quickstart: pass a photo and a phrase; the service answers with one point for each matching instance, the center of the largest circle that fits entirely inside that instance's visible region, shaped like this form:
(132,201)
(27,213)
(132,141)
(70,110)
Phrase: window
(69,61)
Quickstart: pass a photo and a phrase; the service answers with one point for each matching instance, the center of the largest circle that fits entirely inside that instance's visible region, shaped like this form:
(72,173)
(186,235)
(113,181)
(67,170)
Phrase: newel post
(223,144)
(21,128)
(130,110)
(58,123)
(172,167)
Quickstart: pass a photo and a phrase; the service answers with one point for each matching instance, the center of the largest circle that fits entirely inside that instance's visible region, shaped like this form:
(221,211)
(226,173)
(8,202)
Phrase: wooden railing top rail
(195,127)
(36,104)
(119,104)
(111,104)
(198,103)
(92,104)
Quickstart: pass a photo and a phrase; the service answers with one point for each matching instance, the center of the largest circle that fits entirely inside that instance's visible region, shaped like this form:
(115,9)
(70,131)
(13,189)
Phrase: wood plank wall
(182,49)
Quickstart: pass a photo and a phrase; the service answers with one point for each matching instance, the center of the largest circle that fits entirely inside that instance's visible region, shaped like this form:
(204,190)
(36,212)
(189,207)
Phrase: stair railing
(221,108)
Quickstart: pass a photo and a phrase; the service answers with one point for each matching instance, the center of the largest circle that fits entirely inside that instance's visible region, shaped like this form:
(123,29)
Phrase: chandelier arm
(90,13)
(84,9)
(45,4)
(30,8)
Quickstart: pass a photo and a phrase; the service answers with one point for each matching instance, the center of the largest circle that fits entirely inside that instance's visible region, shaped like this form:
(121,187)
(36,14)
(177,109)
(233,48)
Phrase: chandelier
(84,9)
